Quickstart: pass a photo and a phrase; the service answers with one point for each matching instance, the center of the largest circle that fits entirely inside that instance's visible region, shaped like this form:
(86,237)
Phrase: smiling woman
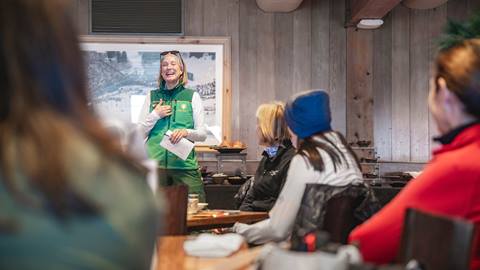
(172,107)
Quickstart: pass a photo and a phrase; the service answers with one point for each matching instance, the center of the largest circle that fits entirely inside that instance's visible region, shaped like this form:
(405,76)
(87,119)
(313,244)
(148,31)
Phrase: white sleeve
(147,120)
(283,214)
(199,132)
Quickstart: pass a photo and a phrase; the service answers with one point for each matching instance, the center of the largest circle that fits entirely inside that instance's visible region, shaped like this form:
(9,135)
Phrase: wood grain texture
(283,55)
(457,10)
(401,84)
(437,21)
(371,9)
(338,66)
(320,48)
(302,54)
(221,219)
(193,15)
(233,21)
(83,16)
(265,83)
(248,100)
(382,89)
(170,255)
(473,6)
(215,17)
(359,85)
(419,75)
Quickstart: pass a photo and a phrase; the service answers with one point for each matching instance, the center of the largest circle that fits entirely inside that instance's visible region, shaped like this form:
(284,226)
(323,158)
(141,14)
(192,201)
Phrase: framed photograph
(123,69)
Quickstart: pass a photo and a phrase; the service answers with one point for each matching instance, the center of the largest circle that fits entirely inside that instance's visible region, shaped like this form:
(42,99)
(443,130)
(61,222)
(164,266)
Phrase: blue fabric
(271,150)
(308,113)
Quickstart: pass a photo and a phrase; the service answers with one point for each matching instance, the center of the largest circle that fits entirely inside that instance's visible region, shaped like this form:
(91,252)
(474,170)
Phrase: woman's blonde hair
(271,125)
(183,79)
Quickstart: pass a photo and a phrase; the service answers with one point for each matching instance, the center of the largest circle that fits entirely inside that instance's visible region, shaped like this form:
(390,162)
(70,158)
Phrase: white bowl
(202,206)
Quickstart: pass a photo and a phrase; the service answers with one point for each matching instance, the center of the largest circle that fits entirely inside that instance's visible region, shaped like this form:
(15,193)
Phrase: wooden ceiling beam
(370,9)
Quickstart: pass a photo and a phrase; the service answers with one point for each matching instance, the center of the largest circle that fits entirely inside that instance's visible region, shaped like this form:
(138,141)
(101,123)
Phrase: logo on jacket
(273,173)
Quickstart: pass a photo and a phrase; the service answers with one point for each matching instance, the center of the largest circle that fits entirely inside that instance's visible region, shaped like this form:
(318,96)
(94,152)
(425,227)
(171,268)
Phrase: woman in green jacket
(173,107)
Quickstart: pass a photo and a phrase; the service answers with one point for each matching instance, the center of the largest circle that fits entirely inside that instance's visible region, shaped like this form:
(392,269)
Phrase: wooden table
(171,256)
(221,219)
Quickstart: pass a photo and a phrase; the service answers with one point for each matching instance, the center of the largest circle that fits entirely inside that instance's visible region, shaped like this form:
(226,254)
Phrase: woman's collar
(448,137)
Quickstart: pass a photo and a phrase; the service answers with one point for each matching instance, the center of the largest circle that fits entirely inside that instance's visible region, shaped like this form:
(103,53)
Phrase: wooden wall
(276,55)
(404,48)
(377,80)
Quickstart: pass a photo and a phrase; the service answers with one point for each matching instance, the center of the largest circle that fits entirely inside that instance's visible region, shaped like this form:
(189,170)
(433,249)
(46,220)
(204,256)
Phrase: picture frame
(122,69)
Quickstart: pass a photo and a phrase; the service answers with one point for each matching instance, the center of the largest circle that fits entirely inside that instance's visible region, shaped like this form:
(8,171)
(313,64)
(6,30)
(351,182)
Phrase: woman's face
(171,69)
(294,138)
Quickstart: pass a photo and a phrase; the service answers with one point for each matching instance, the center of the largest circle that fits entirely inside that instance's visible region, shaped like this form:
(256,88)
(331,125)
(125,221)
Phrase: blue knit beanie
(308,113)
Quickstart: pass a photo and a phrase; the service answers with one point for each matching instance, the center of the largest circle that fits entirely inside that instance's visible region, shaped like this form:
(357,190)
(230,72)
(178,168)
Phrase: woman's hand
(163,110)
(177,135)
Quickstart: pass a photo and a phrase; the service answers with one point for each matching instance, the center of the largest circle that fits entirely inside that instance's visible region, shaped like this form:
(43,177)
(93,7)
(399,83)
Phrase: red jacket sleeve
(439,189)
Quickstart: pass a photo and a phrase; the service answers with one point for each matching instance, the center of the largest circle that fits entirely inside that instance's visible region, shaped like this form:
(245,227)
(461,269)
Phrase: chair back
(328,208)
(339,219)
(175,222)
(436,242)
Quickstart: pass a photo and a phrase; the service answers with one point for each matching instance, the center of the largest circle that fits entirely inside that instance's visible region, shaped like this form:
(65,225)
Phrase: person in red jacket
(450,183)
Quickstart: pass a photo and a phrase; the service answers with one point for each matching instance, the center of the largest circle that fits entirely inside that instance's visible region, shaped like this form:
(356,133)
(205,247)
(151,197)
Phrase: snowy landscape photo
(121,74)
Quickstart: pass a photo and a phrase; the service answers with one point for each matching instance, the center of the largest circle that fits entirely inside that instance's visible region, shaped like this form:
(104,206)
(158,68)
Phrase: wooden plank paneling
(83,16)
(359,85)
(302,54)
(233,21)
(275,55)
(473,6)
(419,74)
(193,17)
(371,9)
(437,21)
(320,48)
(248,75)
(382,89)
(401,84)
(265,60)
(338,66)
(215,20)
(457,10)
(283,55)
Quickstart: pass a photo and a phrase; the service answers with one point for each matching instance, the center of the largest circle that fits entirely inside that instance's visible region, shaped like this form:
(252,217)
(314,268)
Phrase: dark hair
(460,67)
(44,102)
(308,148)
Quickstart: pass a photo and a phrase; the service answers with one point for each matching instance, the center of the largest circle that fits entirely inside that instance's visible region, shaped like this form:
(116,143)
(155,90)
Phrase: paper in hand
(181,149)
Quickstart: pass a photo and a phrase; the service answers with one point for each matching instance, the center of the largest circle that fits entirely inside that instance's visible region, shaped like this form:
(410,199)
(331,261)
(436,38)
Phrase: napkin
(211,245)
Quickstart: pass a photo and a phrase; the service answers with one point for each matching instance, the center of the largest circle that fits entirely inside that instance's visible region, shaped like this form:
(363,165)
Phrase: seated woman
(450,183)
(271,172)
(70,198)
(323,157)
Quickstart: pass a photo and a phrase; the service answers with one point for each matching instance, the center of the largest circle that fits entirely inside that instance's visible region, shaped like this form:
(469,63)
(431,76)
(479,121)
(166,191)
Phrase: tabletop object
(222,218)
(170,255)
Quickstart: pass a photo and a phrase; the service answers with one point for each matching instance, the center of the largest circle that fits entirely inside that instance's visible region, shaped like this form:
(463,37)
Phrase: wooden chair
(436,242)
(175,219)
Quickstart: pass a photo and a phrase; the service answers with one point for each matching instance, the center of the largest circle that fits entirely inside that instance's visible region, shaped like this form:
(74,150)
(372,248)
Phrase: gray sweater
(282,216)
